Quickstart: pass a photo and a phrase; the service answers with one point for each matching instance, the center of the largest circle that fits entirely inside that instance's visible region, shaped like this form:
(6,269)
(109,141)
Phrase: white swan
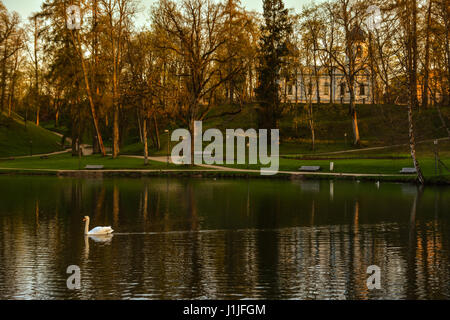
(97,231)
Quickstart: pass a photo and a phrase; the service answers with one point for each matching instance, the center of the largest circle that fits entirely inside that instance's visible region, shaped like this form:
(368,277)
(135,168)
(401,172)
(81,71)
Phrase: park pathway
(374,148)
(209,168)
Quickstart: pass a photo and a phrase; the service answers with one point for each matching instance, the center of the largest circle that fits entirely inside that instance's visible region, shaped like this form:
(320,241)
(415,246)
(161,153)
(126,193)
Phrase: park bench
(310,168)
(94,167)
(408,171)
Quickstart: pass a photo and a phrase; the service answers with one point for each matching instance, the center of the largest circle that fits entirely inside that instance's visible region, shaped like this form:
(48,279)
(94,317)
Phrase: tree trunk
(354,115)
(89,93)
(95,146)
(116,50)
(36,70)
(141,135)
(316,72)
(144,134)
(116,148)
(56,108)
(356,136)
(74,131)
(3,83)
(331,85)
(11,95)
(412,142)
(158,139)
(447,46)
(426,74)
(411,50)
(372,70)
(10,105)
(415,55)
(311,125)
(116,137)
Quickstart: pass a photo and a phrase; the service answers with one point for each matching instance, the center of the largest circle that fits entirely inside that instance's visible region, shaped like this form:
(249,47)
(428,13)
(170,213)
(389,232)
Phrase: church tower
(359,43)
(361,52)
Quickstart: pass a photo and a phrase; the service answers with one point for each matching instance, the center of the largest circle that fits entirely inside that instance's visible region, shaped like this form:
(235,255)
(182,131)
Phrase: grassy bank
(379,125)
(358,166)
(383,170)
(67,162)
(380,162)
(20,139)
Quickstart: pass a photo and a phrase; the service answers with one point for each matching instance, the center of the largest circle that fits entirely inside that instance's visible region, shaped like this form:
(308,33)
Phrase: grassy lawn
(379,126)
(386,161)
(363,166)
(372,166)
(67,162)
(15,138)
(423,149)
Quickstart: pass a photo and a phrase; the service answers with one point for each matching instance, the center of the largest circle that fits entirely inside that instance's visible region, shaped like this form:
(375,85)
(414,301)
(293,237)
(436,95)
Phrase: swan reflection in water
(98,239)
(106,239)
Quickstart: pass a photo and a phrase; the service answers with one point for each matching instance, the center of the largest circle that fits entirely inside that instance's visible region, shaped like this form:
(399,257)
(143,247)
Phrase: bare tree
(78,45)
(118,21)
(194,31)
(11,41)
(349,16)
(407,11)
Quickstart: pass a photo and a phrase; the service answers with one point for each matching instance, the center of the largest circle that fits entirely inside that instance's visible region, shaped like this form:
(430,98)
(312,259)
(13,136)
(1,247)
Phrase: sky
(26,7)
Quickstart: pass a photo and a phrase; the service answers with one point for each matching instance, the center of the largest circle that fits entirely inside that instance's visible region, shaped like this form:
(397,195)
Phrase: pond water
(223,239)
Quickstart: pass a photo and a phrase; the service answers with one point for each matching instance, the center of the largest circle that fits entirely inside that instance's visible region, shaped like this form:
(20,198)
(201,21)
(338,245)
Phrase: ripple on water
(225,240)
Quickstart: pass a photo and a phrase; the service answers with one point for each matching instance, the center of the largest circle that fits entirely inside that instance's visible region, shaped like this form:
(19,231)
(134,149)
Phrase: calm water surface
(224,239)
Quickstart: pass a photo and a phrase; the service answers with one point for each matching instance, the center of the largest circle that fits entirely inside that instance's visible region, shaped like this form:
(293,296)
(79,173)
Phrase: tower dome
(357,34)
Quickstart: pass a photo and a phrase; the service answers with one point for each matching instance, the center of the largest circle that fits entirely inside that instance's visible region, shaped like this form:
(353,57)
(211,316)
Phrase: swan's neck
(86,227)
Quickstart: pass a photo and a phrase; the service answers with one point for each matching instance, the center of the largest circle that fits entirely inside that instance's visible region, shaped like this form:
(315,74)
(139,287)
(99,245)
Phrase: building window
(326,89)
(342,89)
(362,89)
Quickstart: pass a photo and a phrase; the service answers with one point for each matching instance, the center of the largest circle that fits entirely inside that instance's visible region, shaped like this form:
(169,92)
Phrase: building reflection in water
(224,239)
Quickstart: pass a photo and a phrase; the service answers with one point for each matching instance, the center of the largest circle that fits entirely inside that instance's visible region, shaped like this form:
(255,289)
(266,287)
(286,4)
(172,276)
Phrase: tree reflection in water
(223,239)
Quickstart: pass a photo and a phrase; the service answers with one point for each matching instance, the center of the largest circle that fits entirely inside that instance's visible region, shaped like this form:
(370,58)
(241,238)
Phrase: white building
(331,84)
(332,88)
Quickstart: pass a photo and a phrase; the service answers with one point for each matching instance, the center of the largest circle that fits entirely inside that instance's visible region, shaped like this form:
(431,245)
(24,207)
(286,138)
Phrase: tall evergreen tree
(273,48)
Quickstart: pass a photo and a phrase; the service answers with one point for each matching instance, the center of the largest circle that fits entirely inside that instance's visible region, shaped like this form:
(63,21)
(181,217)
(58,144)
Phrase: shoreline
(206,174)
